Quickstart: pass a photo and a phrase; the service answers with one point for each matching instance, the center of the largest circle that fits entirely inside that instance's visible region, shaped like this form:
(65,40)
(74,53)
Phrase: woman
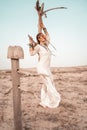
(49,96)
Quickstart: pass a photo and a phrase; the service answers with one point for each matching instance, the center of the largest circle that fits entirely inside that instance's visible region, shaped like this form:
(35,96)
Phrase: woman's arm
(45,32)
(33,48)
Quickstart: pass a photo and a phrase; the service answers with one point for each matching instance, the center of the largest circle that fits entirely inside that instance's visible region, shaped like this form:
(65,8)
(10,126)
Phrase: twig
(44,12)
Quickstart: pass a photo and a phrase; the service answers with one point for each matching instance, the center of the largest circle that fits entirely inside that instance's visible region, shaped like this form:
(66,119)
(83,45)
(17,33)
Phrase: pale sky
(67,29)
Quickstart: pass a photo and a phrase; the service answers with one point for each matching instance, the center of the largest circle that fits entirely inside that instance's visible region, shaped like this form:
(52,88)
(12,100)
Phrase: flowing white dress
(49,95)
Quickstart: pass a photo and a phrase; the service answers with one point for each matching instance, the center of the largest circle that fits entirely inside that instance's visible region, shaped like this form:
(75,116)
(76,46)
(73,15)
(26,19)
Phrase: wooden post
(16,53)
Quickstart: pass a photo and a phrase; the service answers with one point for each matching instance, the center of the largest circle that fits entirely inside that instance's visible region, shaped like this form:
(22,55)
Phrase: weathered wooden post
(15,53)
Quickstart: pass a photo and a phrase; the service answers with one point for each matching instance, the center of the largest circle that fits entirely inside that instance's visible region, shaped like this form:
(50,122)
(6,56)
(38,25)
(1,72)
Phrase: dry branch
(41,12)
(44,12)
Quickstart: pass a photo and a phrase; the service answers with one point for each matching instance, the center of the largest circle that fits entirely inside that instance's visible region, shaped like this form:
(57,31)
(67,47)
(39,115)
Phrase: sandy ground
(70,115)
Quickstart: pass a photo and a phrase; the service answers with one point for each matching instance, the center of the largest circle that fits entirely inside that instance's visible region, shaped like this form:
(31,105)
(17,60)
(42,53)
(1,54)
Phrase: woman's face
(42,38)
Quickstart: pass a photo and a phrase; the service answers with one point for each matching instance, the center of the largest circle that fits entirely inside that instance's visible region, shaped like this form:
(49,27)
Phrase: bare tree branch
(44,12)
(41,12)
(53,9)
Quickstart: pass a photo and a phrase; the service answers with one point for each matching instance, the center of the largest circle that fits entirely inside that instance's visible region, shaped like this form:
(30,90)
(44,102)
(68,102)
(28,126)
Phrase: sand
(71,82)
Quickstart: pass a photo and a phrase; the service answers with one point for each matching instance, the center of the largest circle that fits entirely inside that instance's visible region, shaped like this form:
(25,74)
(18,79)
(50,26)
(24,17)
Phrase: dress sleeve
(34,51)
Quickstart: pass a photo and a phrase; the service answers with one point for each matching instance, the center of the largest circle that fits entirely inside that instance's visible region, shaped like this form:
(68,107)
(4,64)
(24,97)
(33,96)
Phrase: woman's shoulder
(37,47)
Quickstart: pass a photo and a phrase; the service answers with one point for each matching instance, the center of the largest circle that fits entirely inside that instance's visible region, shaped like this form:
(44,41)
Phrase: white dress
(49,95)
